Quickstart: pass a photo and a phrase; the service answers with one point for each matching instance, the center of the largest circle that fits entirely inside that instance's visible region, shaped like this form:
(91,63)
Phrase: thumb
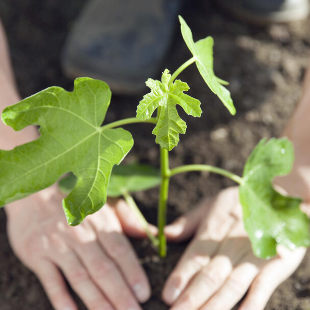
(186,225)
(129,220)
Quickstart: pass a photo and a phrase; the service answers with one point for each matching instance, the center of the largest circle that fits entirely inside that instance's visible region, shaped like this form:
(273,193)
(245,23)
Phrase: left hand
(219,266)
(95,257)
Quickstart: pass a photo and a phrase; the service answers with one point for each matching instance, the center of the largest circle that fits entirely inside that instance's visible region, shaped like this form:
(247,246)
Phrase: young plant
(73,139)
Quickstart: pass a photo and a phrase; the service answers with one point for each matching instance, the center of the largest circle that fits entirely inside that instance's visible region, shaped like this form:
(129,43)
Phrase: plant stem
(187,168)
(126,121)
(163,197)
(130,201)
(181,68)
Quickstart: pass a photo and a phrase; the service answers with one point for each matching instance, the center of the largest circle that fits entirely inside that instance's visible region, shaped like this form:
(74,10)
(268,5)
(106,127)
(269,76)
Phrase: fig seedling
(75,138)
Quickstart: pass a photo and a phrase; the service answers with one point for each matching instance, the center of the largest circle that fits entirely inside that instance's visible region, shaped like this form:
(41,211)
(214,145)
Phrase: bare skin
(95,257)
(218,267)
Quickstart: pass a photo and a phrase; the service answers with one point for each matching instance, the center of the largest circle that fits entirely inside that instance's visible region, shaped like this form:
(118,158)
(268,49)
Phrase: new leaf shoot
(164,96)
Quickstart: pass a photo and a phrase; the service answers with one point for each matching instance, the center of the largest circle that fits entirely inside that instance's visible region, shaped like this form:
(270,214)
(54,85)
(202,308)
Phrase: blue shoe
(122,42)
(267,11)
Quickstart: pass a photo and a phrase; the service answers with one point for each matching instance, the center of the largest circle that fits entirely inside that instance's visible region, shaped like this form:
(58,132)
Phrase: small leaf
(269,217)
(132,178)
(164,96)
(202,51)
(124,179)
(72,139)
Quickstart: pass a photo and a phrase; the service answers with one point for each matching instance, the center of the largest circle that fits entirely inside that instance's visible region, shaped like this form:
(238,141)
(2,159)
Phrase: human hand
(95,257)
(219,266)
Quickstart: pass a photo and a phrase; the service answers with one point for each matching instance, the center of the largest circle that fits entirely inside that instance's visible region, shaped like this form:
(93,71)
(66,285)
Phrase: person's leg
(121,42)
(267,11)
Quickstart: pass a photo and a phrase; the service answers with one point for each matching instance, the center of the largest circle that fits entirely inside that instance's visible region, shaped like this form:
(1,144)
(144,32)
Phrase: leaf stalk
(181,68)
(127,121)
(223,172)
(131,202)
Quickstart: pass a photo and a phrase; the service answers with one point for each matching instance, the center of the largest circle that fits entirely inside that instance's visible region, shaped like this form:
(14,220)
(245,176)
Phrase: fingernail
(172,294)
(173,230)
(141,291)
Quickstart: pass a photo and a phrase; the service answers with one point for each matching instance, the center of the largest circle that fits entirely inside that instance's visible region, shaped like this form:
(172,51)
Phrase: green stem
(163,198)
(188,168)
(130,201)
(181,68)
(126,121)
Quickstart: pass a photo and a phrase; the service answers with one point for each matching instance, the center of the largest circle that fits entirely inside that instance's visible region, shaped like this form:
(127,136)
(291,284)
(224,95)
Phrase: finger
(190,263)
(81,282)
(54,285)
(274,273)
(234,288)
(120,251)
(204,284)
(106,275)
(129,220)
(197,256)
(210,279)
(206,243)
(236,248)
(185,226)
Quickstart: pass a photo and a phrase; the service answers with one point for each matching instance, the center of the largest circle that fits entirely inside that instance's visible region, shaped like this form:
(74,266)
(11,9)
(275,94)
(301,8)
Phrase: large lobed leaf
(202,51)
(164,96)
(71,139)
(269,217)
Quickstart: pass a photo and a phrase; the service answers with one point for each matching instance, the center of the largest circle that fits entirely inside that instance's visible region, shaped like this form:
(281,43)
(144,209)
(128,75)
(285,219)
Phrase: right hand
(218,268)
(95,256)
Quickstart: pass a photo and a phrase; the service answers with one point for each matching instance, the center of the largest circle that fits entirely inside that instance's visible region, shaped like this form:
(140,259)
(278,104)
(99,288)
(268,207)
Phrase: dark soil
(265,67)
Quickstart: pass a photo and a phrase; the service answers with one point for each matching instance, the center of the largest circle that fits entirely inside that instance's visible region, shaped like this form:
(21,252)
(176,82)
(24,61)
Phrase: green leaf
(67,183)
(71,139)
(124,179)
(202,51)
(164,96)
(132,178)
(269,217)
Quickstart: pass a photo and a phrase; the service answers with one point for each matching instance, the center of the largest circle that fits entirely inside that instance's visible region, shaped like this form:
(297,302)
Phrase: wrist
(8,137)
(297,183)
